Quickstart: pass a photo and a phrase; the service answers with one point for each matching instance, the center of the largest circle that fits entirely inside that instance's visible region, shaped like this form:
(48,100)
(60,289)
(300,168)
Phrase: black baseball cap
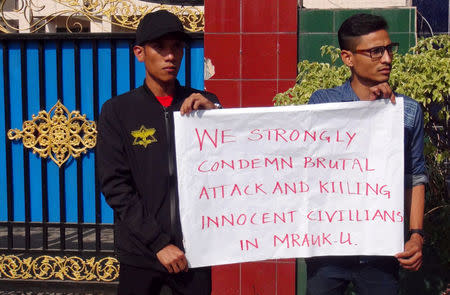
(157,24)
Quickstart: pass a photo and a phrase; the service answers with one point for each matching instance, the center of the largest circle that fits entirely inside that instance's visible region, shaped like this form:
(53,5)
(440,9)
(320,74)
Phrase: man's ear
(139,52)
(347,57)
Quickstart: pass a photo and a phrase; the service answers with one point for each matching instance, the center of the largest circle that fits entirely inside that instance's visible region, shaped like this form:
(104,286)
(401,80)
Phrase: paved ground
(51,293)
(61,289)
(73,291)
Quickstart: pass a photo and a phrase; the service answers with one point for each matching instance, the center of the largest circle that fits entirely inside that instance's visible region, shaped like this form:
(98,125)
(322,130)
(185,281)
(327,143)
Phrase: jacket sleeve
(211,97)
(118,186)
(418,168)
(315,98)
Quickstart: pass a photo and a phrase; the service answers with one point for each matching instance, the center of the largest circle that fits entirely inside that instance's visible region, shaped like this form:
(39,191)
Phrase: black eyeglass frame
(390,48)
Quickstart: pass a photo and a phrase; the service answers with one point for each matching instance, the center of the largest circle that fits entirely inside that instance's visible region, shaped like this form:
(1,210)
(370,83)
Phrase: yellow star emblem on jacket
(143,136)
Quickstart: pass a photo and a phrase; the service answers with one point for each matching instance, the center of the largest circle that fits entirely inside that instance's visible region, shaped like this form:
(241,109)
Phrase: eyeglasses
(378,52)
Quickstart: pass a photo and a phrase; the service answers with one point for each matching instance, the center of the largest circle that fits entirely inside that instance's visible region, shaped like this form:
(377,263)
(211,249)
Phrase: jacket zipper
(171,180)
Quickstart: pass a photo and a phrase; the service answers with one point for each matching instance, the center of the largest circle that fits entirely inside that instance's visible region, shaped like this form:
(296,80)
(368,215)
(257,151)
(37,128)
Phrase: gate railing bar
(8,148)
(25,152)
(132,67)
(187,67)
(113,68)
(98,209)
(44,174)
(114,93)
(80,203)
(62,180)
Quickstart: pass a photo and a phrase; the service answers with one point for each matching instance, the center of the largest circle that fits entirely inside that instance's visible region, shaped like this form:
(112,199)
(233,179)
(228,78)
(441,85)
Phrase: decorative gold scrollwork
(47,267)
(13,267)
(122,13)
(107,269)
(57,134)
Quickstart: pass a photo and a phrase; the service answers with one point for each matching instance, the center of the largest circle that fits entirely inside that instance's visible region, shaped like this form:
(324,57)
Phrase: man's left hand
(411,257)
(194,102)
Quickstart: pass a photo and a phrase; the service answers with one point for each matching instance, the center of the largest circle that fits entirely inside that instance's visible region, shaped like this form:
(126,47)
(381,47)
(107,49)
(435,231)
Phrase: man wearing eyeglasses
(367,50)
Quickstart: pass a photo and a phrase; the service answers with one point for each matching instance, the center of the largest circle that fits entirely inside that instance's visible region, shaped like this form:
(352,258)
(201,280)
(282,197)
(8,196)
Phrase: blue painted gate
(39,201)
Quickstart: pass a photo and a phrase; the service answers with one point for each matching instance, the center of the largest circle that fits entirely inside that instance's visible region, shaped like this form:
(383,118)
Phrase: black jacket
(135,147)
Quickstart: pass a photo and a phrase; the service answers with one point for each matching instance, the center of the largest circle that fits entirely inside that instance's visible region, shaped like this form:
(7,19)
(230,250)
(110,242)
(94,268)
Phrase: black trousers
(143,281)
(370,275)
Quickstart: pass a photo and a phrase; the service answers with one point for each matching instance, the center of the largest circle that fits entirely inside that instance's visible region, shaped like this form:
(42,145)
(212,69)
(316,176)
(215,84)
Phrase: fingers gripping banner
(297,181)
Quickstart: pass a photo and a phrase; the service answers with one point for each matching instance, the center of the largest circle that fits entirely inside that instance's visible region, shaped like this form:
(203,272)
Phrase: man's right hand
(172,258)
(382,90)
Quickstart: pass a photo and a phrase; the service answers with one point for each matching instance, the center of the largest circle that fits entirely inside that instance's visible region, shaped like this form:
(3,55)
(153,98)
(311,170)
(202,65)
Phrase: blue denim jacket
(415,171)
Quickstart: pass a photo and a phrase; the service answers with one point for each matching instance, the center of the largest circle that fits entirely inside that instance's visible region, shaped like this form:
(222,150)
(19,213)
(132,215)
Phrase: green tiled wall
(318,27)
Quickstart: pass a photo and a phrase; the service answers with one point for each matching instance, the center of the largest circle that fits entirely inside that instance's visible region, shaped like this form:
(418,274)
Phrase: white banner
(296,181)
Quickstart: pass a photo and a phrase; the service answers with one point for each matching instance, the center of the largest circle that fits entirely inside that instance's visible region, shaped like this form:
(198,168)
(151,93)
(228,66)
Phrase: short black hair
(359,25)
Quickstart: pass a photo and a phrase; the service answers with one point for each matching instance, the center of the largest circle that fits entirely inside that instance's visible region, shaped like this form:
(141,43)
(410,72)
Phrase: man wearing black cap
(135,153)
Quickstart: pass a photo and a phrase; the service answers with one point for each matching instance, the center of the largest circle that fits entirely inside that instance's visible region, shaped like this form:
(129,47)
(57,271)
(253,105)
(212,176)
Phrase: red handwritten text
(295,135)
(240,164)
(353,188)
(243,190)
(249,245)
(232,220)
(224,135)
(338,164)
(355,215)
(301,240)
